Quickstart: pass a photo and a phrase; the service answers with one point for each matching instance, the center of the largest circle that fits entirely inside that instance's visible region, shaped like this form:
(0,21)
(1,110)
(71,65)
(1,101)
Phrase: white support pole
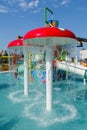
(26,77)
(49,79)
(76,58)
(84,80)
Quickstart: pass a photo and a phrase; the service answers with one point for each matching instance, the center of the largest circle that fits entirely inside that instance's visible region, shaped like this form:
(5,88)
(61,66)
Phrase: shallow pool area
(18,112)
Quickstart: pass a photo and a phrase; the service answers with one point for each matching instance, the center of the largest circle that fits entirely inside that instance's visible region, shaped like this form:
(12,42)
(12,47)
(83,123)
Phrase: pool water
(18,112)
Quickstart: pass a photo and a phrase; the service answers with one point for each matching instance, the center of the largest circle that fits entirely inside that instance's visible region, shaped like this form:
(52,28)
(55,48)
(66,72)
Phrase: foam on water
(34,108)
(18,96)
(37,112)
(57,89)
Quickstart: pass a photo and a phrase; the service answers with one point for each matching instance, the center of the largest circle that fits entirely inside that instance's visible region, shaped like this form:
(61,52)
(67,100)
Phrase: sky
(17,17)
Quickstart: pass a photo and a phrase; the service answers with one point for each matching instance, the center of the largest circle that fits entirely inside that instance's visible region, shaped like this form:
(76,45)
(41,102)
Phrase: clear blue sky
(19,16)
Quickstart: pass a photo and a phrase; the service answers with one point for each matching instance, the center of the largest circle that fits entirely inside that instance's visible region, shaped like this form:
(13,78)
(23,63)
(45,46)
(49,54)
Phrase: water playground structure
(34,60)
(52,40)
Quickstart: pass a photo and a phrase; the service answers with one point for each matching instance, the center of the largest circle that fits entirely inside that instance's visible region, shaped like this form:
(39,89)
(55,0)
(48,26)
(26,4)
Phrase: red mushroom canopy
(49,35)
(15,43)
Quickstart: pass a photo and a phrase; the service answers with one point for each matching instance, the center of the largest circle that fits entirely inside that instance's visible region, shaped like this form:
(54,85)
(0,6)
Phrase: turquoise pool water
(18,112)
